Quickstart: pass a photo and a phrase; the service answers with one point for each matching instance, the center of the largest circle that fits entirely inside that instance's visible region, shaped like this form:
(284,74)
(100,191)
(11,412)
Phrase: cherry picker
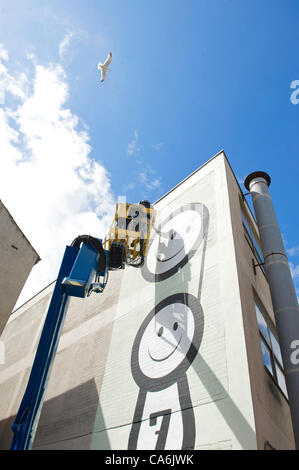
(84,269)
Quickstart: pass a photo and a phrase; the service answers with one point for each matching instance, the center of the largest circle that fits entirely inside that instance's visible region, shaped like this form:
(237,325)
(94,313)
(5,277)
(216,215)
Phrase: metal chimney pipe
(284,299)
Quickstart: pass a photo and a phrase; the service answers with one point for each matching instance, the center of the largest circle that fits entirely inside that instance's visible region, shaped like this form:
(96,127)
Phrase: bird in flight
(104,66)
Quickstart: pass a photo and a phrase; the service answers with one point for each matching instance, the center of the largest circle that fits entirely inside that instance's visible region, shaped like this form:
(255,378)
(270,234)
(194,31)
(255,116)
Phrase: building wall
(216,380)
(271,409)
(17,259)
(161,357)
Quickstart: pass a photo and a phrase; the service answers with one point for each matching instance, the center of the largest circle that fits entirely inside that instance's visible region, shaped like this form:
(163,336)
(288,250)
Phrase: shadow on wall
(6,433)
(67,420)
(235,420)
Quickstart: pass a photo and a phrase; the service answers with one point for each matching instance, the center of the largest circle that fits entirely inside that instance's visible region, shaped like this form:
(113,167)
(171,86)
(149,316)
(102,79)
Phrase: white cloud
(16,85)
(49,181)
(3,53)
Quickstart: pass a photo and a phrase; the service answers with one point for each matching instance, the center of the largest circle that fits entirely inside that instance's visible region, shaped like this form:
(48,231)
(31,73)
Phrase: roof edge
(193,173)
(24,236)
(221,152)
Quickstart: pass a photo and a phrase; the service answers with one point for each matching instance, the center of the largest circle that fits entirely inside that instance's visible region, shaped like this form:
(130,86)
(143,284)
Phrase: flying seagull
(104,66)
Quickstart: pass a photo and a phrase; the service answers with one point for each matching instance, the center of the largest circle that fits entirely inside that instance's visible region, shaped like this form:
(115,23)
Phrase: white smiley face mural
(167,341)
(175,241)
(169,337)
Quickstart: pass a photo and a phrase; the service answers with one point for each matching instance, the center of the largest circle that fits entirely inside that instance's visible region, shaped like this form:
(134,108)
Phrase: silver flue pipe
(283,294)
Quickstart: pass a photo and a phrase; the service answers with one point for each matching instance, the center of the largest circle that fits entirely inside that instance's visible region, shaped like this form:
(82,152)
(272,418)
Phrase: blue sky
(187,80)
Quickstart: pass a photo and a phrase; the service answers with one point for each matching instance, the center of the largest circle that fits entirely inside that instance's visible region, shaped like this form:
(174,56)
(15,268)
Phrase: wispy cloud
(294,270)
(240,180)
(49,181)
(129,186)
(144,173)
(148,179)
(133,148)
(293,251)
(64,46)
(158,147)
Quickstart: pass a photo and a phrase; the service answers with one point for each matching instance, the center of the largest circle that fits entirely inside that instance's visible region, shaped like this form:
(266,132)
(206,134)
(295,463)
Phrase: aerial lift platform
(84,269)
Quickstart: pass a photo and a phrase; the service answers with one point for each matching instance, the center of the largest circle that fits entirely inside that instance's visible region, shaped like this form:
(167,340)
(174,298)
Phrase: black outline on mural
(160,383)
(178,375)
(196,206)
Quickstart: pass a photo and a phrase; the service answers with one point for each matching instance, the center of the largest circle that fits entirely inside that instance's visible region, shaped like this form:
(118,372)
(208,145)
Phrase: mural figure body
(165,346)
(169,338)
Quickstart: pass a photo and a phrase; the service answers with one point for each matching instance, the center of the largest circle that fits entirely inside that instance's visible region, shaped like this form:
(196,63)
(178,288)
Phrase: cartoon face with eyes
(175,241)
(167,341)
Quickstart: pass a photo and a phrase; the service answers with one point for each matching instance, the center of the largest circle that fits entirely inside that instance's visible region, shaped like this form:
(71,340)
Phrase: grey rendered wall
(159,359)
(17,257)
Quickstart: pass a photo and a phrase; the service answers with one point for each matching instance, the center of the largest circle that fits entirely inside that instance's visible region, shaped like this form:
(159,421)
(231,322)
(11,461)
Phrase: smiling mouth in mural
(161,259)
(165,357)
(175,242)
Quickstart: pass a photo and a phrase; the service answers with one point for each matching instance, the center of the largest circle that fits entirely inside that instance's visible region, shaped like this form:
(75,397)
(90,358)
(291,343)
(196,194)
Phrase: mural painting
(169,338)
